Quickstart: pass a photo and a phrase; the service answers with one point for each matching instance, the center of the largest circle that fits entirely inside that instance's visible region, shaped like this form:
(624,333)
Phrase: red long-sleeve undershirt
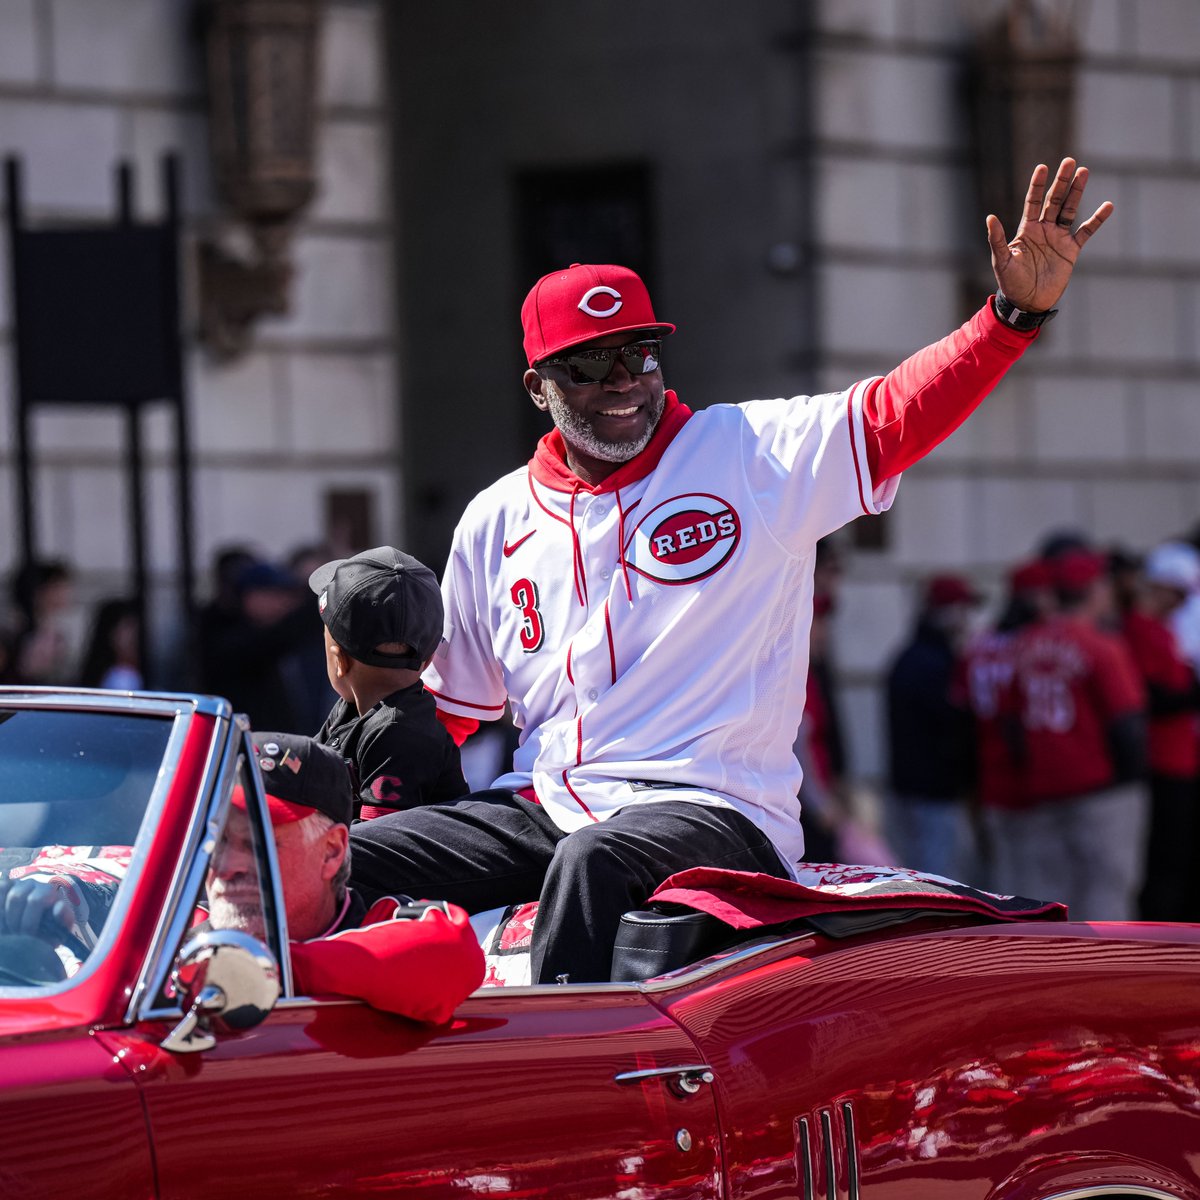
(912,409)
(422,969)
(928,396)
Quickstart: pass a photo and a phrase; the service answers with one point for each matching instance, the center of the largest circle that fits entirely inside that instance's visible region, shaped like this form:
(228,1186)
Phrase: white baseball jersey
(651,633)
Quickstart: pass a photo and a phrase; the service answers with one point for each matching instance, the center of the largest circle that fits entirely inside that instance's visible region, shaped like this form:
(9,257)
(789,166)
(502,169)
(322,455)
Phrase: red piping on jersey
(578,566)
(578,760)
(570,677)
(612,650)
(621,552)
(862,499)
(465,703)
(538,500)
(577,797)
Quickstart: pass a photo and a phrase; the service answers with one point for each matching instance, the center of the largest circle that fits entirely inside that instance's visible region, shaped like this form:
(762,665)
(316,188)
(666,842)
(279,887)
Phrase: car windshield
(74,788)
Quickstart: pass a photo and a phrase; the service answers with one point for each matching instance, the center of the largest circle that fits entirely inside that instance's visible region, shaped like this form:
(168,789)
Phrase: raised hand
(1033,270)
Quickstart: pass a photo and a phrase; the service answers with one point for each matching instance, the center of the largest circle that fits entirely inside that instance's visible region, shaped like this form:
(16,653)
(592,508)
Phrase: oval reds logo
(684,539)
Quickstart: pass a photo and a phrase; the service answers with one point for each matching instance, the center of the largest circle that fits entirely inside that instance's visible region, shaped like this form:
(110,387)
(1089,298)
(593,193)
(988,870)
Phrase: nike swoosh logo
(510,548)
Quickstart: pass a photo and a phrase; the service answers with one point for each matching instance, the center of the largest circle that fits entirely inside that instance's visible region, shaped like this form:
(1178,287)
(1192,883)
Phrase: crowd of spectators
(258,639)
(1054,750)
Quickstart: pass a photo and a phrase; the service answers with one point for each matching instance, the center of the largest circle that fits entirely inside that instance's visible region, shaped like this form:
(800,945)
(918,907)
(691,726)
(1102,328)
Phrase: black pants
(495,848)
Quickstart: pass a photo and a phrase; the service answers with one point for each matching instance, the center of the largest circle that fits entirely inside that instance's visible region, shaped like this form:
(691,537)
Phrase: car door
(521,1095)
(587,1091)
(71,1122)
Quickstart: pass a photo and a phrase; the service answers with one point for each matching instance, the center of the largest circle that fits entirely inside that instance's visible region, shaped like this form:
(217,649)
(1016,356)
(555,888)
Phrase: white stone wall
(84,83)
(1098,427)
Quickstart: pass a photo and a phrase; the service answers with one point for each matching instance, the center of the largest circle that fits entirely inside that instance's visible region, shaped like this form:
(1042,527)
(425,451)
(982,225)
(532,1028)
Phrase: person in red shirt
(1170,574)
(1076,708)
(985,672)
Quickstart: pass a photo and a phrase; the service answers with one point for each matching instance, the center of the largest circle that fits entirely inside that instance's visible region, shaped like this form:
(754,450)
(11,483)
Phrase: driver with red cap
(416,959)
(419,960)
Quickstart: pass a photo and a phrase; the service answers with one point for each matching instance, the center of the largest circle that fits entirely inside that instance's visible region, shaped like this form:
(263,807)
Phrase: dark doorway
(599,214)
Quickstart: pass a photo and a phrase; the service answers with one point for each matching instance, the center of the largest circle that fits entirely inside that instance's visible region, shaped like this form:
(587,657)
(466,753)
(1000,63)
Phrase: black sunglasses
(595,366)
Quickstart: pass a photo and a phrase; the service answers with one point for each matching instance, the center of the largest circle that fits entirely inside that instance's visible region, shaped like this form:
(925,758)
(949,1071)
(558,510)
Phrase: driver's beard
(576,430)
(244,916)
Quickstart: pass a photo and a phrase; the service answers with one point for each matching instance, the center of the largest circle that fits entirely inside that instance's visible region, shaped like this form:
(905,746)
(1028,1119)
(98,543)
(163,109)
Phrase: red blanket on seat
(747,900)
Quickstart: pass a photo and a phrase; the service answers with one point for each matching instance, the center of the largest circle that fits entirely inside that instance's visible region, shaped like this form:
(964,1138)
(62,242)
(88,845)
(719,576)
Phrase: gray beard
(248,918)
(576,430)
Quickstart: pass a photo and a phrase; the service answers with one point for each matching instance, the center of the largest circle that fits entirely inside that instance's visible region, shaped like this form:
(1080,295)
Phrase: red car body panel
(71,1123)
(512,1099)
(946,1058)
(964,1056)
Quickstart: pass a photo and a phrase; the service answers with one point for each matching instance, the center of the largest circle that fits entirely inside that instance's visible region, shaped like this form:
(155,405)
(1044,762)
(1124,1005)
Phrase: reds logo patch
(684,539)
(601,301)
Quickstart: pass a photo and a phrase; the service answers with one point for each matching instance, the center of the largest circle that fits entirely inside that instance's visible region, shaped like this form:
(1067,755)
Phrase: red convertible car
(904,1049)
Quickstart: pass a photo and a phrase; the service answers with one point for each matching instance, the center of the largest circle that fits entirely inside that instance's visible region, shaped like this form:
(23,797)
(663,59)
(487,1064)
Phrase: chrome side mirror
(225,975)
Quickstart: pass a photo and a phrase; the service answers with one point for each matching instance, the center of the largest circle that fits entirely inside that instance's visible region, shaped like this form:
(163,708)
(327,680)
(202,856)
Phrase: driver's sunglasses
(595,366)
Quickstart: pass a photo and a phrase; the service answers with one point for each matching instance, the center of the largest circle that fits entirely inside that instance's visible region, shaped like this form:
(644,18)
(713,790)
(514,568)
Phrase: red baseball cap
(1076,569)
(1031,576)
(584,302)
(944,590)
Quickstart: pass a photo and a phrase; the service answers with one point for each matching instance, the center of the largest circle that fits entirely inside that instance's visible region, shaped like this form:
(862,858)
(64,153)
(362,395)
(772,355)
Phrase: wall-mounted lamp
(261,58)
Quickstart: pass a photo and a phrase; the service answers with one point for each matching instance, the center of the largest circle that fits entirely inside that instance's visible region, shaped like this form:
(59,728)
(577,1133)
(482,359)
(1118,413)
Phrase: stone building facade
(310,411)
(794,177)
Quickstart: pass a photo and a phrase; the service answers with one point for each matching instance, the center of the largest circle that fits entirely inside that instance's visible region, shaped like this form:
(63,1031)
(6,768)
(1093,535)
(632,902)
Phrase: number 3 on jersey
(525,596)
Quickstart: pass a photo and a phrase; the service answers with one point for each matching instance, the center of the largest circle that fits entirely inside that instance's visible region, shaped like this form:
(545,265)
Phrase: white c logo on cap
(585,305)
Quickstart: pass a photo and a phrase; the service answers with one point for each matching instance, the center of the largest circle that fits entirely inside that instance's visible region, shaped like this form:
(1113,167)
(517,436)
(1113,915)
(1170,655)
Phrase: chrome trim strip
(282,952)
(830,1160)
(173,917)
(285,1003)
(99,700)
(804,1164)
(229,745)
(295,1002)
(140,852)
(851,1150)
(658,1072)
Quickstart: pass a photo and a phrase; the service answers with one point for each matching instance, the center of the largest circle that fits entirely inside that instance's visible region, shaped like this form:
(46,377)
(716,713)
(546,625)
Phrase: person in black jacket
(383,620)
(931,750)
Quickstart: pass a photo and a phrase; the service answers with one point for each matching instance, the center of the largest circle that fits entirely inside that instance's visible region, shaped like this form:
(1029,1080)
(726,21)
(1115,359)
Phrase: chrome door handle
(683,1080)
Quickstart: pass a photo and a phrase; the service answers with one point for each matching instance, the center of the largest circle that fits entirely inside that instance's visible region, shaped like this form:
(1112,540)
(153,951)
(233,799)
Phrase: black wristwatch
(1018,318)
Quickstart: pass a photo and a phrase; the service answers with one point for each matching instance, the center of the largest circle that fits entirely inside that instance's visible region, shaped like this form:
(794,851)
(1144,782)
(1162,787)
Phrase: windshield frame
(151,706)
(230,750)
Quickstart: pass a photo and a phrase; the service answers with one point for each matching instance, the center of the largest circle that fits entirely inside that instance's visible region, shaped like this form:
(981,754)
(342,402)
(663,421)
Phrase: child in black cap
(383,620)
